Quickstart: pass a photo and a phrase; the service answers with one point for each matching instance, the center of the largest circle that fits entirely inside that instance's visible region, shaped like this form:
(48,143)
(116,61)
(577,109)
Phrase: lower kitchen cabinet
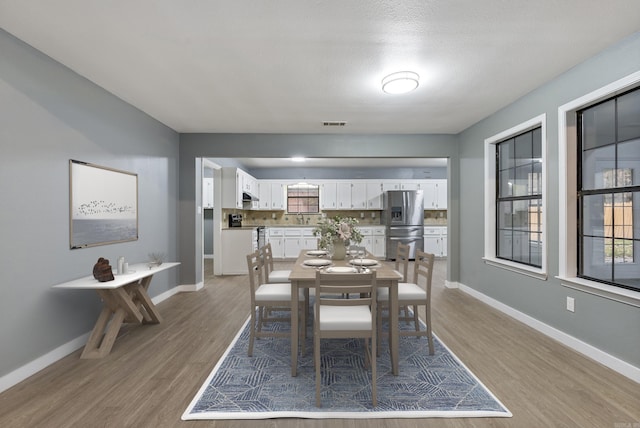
(435,240)
(237,243)
(373,239)
(287,242)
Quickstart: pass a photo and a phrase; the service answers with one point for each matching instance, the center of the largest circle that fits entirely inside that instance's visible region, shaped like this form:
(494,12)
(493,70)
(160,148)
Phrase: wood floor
(154,371)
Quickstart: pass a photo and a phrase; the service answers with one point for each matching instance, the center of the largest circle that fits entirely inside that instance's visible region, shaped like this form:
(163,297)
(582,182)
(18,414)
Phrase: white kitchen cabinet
(411,185)
(271,195)
(378,248)
(373,239)
(237,243)
(292,242)
(264,194)
(343,192)
(308,241)
(234,182)
(275,237)
(207,192)
(435,194)
(374,195)
(277,196)
(435,240)
(328,196)
(359,195)
(390,185)
(351,195)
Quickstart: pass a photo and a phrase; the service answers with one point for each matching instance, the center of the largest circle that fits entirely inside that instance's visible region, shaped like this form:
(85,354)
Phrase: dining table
(303,275)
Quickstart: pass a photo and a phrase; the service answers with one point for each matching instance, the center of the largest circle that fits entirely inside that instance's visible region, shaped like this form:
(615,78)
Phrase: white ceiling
(286,66)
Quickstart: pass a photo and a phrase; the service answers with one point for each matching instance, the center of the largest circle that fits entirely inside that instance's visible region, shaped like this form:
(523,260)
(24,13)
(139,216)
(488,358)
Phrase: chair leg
(316,358)
(252,332)
(302,325)
(416,321)
(429,334)
(374,375)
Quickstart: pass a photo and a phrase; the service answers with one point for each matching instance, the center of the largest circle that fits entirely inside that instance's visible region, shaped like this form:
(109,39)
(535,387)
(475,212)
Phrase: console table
(125,300)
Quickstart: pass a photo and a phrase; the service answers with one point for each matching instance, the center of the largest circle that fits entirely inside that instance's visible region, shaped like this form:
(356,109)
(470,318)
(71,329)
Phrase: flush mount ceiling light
(400,82)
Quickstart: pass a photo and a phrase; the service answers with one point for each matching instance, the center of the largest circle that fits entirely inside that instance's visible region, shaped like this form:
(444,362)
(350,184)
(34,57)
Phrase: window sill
(517,268)
(610,292)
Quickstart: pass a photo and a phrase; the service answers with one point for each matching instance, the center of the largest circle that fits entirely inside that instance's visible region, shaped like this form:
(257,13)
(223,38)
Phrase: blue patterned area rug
(261,387)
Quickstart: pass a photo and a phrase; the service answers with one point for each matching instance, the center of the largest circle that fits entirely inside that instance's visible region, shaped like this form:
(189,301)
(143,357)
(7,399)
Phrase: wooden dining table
(303,276)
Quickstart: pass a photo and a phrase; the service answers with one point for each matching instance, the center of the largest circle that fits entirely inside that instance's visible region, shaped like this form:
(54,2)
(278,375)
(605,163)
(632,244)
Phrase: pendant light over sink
(400,82)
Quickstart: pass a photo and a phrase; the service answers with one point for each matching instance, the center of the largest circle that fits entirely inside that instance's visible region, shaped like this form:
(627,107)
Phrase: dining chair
(337,317)
(266,297)
(402,267)
(271,275)
(414,294)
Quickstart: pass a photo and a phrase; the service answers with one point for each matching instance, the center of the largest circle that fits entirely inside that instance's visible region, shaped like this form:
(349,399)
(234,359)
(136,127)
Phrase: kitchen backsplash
(281,218)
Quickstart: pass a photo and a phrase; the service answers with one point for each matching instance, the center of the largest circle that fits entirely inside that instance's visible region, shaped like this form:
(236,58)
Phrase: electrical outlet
(571,304)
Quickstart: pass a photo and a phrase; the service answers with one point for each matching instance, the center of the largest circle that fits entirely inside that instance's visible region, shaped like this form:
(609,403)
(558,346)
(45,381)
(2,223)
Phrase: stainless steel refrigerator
(403,215)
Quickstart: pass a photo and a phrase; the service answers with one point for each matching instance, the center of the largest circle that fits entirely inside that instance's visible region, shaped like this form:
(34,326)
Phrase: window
(303,198)
(572,214)
(515,199)
(518,198)
(608,178)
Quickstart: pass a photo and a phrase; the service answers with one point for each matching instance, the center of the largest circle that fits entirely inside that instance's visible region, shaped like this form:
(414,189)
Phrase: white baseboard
(451,284)
(616,364)
(15,377)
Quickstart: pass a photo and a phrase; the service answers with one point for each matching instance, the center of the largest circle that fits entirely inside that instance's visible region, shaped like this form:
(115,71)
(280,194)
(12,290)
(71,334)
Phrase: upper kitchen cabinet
(435,194)
(374,195)
(328,196)
(351,195)
(237,183)
(271,195)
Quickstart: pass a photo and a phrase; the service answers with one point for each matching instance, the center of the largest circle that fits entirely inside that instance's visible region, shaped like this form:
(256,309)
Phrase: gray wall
(48,115)
(193,146)
(607,325)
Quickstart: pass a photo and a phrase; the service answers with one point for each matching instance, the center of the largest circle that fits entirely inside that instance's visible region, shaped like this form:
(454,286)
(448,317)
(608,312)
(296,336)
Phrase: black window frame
(500,198)
(613,192)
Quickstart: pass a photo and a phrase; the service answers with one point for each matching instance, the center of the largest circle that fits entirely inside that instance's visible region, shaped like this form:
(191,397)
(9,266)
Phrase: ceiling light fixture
(400,82)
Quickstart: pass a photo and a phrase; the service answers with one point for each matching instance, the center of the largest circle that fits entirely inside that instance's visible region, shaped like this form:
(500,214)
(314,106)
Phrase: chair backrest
(423,270)
(402,260)
(329,286)
(267,253)
(255,266)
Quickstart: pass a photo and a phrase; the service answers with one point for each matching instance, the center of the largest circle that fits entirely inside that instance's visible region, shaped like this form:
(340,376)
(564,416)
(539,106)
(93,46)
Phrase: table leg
(294,328)
(129,303)
(150,313)
(394,327)
(98,346)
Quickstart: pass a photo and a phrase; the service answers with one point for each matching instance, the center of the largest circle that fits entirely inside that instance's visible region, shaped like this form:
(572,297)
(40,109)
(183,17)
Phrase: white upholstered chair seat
(276,292)
(279,276)
(406,291)
(345,318)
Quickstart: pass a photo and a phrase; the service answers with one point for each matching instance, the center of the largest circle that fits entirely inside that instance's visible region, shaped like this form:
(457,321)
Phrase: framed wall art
(103,205)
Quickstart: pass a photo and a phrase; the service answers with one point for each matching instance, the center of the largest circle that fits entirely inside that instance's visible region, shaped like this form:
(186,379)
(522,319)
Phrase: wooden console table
(125,300)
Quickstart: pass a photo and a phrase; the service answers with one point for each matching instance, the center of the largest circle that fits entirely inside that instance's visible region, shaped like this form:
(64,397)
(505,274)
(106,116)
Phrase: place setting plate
(317,253)
(341,269)
(316,262)
(363,262)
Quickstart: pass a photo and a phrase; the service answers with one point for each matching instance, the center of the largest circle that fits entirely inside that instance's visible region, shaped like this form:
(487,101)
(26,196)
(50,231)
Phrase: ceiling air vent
(334,123)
